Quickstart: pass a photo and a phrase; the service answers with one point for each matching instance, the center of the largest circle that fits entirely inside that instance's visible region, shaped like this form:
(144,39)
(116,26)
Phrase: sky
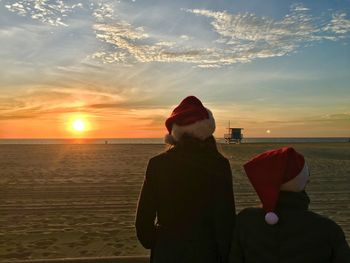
(275,68)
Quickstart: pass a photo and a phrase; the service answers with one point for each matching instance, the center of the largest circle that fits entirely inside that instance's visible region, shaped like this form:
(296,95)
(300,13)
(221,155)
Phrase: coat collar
(293,201)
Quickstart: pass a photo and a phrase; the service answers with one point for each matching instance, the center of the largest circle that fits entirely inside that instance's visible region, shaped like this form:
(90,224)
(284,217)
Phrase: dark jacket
(300,236)
(186,206)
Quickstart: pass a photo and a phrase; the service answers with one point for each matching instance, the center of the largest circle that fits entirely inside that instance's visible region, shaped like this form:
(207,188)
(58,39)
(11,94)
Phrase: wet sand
(79,200)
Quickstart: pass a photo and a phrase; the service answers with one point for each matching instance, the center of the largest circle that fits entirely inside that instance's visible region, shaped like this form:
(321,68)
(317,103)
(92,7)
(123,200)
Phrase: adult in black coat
(290,232)
(186,207)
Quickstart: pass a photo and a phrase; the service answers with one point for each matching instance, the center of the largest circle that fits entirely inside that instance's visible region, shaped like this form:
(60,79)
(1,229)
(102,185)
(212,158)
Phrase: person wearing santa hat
(186,206)
(284,230)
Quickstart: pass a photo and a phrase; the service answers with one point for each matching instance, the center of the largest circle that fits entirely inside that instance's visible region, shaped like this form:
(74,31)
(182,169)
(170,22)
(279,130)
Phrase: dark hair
(188,142)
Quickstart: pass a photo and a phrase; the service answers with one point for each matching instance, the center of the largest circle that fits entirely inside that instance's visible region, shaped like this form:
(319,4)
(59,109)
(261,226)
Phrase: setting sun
(78,125)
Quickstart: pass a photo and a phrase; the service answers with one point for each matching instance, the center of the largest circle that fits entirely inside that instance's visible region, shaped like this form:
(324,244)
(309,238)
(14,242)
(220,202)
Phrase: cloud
(50,12)
(36,102)
(96,101)
(236,38)
(103,11)
(334,117)
(250,36)
(339,25)
(185,37)
(131,48)
(300,7)
(242,38)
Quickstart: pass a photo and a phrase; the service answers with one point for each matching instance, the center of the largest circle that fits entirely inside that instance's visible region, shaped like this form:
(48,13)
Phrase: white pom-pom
(271,218)
(169,139)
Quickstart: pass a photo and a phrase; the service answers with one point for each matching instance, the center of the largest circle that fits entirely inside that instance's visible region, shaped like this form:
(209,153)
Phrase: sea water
(161,140)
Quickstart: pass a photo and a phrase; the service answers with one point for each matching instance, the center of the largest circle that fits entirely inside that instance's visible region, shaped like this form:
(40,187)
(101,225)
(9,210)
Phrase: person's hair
(189,142)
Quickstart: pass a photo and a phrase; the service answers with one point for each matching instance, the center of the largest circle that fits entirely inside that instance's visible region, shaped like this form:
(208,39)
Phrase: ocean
(161,141)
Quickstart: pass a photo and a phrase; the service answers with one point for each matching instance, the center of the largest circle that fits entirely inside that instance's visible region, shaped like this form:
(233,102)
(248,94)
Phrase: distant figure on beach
(186,207)
(284,230)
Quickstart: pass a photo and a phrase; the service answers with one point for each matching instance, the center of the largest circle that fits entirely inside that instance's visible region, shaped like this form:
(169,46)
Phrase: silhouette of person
(186,207)
(284,229)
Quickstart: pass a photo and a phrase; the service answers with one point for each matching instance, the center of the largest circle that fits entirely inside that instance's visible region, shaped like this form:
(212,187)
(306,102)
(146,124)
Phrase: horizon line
(128,138)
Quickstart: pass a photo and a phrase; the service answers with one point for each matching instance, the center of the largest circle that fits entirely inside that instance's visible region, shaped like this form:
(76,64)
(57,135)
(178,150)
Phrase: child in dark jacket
(284,230)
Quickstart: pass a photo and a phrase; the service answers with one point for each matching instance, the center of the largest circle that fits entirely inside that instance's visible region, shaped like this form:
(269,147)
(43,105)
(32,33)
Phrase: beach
(79,200)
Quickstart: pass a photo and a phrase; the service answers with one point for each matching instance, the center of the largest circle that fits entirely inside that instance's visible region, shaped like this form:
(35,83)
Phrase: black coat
(186,207)
(300,236)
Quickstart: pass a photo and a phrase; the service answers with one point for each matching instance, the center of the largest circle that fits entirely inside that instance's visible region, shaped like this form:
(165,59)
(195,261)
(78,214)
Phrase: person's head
(190,119)
(273,171)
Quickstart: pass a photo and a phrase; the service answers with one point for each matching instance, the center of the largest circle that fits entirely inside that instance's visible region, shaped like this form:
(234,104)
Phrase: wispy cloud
(339,25)
(51,12)
(103,11)
(52,102)
(238,38)
(241,38)
(131,48)
(250,36)
(333,117)
(35,102)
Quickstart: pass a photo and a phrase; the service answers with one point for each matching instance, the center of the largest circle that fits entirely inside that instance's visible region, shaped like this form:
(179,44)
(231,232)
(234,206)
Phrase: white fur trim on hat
(202,129)
(298,183)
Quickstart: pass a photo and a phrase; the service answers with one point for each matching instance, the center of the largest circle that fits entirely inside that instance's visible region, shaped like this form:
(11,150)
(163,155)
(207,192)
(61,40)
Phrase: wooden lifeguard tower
(234,135)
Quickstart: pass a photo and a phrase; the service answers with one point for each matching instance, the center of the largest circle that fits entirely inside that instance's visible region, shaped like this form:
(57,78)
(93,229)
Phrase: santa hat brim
(202,130)
(298,183)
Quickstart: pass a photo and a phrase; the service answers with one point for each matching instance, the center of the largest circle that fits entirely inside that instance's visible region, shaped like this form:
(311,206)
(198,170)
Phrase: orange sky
(146,124)
(62,127)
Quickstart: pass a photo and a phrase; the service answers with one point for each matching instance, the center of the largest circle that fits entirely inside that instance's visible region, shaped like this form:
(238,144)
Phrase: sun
(78,125)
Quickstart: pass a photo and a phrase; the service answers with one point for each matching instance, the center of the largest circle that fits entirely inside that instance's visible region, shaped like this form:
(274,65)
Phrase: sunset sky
(275,68)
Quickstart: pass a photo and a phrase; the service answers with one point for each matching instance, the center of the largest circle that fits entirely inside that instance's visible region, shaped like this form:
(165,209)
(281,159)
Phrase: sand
(62,201)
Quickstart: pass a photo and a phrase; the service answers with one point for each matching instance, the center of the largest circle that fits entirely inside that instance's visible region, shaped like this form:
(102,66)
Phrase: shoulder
(327,224)
(222,158)
(159,157)
(330,229)
(163,159)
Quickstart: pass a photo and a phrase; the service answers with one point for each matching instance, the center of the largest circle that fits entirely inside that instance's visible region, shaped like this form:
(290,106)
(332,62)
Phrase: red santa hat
(273,171)
(192,118)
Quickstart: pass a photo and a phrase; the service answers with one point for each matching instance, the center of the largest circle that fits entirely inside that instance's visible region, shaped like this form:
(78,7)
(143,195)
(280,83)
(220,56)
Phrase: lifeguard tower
(234,135)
